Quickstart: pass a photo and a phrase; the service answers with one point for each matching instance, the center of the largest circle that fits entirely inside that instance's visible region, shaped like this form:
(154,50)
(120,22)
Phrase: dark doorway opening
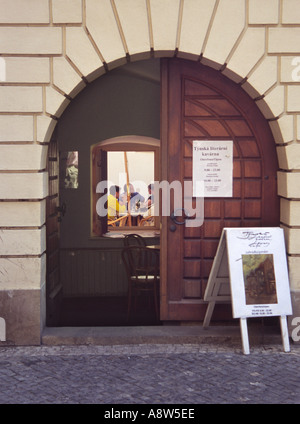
(104,311)
(86,280)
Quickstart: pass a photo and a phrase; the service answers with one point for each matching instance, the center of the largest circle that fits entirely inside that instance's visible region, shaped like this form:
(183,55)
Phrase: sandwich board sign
(250,271)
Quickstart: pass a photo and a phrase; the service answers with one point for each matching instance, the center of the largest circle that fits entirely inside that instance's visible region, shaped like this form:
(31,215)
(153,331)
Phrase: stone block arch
(109,36)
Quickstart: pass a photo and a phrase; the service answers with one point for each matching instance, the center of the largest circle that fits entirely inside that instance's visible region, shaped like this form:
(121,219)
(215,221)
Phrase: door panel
(200,103)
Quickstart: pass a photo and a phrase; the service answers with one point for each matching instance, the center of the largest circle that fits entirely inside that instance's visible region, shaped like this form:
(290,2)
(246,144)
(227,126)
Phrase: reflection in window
(70,166)
(130,198)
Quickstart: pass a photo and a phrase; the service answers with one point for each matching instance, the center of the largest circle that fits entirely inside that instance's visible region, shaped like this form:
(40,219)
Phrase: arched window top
(129,140)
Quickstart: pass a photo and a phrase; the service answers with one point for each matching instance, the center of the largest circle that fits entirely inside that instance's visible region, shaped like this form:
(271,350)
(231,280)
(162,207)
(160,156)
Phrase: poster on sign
(258,272)
(212,166)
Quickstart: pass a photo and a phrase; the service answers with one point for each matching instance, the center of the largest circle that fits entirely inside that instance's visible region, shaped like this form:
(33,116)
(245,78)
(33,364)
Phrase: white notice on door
(212,165)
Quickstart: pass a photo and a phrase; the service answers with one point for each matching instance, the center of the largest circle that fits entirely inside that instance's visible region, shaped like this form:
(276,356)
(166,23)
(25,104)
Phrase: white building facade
(51,50)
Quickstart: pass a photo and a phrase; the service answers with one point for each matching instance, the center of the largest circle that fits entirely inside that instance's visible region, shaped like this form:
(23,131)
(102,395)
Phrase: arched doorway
(197,103)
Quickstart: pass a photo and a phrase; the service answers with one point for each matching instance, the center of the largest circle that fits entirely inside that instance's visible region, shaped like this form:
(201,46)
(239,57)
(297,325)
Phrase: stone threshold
(182,334)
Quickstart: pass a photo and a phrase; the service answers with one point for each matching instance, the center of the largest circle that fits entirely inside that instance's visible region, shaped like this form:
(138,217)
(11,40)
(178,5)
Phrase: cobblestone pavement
(149,374)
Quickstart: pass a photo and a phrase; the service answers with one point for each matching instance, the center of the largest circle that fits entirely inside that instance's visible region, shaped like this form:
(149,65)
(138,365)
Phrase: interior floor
(105,311)
(112,312)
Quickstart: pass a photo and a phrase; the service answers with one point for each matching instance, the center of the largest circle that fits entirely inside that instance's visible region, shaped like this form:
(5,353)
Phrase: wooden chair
(122,221)
(134,240)
(148,221)
(142,267)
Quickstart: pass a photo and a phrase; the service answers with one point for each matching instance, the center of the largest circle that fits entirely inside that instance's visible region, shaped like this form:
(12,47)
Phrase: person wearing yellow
(114,207)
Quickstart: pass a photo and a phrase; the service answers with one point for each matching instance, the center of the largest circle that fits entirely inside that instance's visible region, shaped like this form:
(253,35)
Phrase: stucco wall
(51,49)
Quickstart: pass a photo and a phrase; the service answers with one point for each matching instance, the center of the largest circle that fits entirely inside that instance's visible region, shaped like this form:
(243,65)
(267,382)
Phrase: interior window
(130,191)
(122,185)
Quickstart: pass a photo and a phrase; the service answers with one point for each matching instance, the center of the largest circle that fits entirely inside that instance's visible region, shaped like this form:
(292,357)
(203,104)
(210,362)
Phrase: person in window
(114,208)
(148,207)
(150,200)
(136,199)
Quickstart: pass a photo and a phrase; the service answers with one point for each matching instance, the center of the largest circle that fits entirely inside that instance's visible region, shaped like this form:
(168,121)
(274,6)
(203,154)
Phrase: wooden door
(199,103)
(53,285)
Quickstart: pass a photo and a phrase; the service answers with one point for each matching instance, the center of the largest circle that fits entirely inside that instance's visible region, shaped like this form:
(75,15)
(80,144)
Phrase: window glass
(130,201)
(69,169)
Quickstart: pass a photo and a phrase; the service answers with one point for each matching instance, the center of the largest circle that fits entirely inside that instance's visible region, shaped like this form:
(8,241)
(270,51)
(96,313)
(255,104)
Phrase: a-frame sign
(250,271)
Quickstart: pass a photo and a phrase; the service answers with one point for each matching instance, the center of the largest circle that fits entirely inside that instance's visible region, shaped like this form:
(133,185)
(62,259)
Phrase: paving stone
(148,374)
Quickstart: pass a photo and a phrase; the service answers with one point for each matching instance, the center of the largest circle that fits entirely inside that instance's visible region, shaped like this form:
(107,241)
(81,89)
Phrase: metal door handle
(174,215)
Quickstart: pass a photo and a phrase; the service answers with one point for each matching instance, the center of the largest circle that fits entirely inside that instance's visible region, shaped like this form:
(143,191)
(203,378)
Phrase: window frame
(121,144)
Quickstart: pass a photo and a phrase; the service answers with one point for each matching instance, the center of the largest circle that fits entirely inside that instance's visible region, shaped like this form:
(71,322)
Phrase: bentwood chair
(142,267)
(147,222)
(118,222)
(134,240)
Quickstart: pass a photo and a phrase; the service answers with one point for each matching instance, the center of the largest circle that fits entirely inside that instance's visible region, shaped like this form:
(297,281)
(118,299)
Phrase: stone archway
(74,132)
